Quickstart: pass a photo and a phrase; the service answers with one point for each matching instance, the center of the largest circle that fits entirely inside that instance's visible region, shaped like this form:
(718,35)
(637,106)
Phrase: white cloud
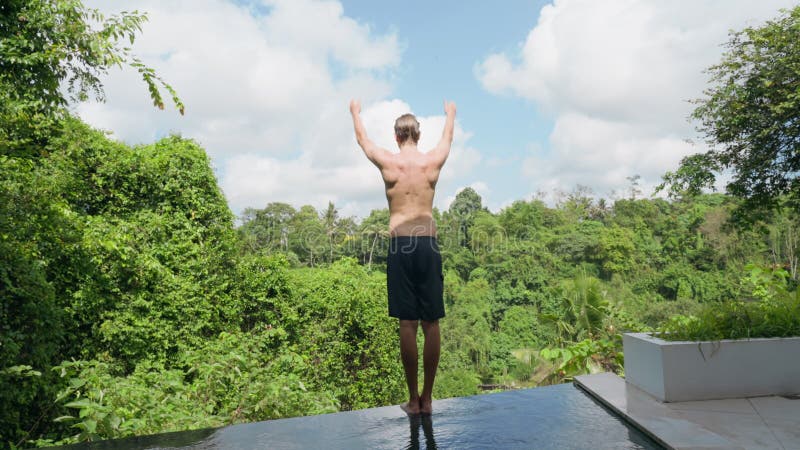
(320,28)
(260,89)
(601,154)
(480,187)
(249,82)
(616,77)
(266,87)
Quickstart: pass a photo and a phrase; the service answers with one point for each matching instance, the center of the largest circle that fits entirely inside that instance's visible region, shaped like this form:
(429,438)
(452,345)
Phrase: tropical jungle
(133,301)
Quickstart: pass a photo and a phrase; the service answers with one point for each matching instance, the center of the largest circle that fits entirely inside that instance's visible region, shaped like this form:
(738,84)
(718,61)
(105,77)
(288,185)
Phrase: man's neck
(409,148)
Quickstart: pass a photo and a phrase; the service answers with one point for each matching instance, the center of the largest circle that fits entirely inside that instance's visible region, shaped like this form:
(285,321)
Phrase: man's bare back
(409,176)
(410,180)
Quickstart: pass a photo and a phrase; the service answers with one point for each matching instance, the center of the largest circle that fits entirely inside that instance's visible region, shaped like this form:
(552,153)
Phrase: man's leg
(408,353)
(430,360)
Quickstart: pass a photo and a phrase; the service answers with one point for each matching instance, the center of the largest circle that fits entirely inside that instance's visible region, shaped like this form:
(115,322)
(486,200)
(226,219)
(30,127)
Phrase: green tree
(487,234)
(263,291)
(522,325)
(615,250)
(750,117)
(375,228)
(521,219)
(583,309)
(329,220)
(464,208)
(468,325)
(51,52)
(346,336)
(581,242)
(309,240)
(48,45)
(577,203)
(35,229)
(784,243)
(347,239)
(161,241)
(267,229)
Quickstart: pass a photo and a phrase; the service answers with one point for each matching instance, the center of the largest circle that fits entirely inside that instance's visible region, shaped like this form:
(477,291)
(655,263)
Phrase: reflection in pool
(553,417)
(426,423)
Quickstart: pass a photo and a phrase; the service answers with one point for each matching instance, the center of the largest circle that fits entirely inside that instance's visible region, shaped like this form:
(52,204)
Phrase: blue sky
(443,42)
(550,95)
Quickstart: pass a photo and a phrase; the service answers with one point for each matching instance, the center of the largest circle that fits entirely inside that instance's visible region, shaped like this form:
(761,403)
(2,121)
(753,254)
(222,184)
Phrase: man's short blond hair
(406,127)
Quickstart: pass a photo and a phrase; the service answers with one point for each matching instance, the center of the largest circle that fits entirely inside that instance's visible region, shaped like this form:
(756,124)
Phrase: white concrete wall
(685,371)
(644,363)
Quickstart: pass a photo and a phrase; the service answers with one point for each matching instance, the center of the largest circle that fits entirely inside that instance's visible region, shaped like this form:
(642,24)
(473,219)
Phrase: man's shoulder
(390,159)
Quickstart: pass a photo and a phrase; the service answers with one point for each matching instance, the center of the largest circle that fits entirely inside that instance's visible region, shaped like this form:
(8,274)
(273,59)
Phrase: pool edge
(651,417)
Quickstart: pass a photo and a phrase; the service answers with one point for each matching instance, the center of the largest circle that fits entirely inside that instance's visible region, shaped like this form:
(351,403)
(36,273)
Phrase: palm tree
(375,227)
(584,309)
(376,231)
(329,219)
(587,305)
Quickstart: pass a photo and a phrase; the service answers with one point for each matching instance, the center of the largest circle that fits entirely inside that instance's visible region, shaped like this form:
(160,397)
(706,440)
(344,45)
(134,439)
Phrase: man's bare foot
(425,406)
(411,407)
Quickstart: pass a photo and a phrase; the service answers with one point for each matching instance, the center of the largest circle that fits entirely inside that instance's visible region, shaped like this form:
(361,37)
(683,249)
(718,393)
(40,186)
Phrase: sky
(550,95)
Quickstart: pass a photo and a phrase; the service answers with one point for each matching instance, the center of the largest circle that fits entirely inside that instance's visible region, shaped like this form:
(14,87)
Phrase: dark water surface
(553,417)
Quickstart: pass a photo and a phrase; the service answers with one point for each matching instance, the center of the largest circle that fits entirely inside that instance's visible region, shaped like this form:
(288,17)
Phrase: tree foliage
(124,271)
(54,51)
(130,303)
(750,117)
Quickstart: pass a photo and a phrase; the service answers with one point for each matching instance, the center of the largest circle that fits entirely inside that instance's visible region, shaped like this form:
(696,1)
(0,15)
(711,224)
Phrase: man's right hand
(449,108)
(355,107)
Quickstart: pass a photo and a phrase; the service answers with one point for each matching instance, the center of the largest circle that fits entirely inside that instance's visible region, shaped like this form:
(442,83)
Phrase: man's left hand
(355,107)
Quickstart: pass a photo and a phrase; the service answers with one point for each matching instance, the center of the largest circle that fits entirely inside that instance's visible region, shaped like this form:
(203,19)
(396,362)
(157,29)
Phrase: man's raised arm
(442,149)
(374,153)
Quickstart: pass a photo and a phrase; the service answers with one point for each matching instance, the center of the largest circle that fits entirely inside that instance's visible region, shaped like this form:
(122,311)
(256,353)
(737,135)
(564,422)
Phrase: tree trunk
(371,250)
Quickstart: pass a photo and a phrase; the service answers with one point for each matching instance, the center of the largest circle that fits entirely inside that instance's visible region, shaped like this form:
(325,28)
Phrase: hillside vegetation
(133,301)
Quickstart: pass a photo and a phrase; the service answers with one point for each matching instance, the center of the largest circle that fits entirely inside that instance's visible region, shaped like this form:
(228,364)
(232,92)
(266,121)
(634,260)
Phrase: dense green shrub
(344,331)
(773,311)
(737,320)
(236,377)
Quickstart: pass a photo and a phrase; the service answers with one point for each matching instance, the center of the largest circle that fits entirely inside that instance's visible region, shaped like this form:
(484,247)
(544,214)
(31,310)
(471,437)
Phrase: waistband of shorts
(412,238)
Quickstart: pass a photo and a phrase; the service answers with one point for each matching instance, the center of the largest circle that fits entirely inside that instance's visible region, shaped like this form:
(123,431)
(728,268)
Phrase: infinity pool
(553,417)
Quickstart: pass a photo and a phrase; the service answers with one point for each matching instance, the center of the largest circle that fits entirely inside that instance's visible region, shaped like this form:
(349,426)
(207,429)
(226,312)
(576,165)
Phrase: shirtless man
(414,265)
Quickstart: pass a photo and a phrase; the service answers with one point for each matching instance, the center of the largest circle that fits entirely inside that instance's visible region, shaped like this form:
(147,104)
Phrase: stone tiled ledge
(746,423)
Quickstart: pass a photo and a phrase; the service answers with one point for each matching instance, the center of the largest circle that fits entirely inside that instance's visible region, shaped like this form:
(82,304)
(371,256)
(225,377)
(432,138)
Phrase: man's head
(406,127)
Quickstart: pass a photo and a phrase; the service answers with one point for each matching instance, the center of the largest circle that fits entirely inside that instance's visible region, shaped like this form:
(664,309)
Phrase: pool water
(553,417)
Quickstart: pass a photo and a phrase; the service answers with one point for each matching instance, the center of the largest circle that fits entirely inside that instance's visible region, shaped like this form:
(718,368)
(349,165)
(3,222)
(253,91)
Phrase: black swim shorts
(414,278)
